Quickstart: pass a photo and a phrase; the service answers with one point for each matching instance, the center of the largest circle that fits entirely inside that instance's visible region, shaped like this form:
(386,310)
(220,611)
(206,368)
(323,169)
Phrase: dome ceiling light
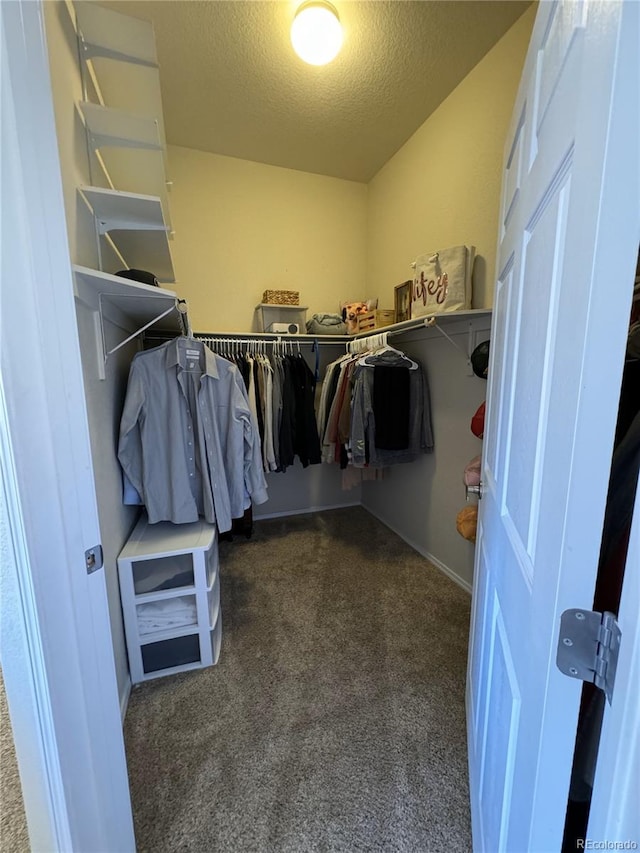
(316,32)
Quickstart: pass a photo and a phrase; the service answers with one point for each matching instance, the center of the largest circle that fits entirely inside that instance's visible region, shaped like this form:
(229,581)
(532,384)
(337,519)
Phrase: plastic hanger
(383,346)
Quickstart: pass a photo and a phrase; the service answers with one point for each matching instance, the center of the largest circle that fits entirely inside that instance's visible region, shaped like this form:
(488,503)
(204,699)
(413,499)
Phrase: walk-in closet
(340,337)
(305,700)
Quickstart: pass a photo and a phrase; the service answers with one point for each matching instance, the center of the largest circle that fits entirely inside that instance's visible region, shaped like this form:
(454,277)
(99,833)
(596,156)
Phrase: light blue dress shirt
(188,441)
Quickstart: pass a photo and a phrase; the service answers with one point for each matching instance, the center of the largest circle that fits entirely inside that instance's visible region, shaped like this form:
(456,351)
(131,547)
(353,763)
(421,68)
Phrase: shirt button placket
(190,444)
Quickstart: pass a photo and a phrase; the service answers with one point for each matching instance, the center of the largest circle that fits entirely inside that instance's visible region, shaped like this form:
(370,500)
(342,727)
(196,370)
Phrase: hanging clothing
(278,382)
(391,403)
(364,444)
(288,421)
(340,394)
(268,449)
(374,411)
(306,442)
(328,392)
(295,432)
(188,442)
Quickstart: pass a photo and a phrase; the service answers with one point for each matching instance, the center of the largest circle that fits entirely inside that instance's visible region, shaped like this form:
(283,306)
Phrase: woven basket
(281,297)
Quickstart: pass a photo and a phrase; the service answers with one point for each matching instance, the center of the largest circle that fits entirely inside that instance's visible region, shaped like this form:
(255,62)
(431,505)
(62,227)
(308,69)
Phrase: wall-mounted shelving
(268,313)
(122,115)
(281,307)
(446,324)
(456,323)
(136,225)
(442,320)
(119,54)
(141,305)
(114,35)
(143,300)
(130,149)
(107,127)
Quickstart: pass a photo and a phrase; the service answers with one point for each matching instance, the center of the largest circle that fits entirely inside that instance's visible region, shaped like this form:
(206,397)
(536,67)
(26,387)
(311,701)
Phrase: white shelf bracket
(175,306)
(432,323)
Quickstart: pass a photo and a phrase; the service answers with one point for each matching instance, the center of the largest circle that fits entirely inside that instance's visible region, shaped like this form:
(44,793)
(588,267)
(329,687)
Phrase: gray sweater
(363,428)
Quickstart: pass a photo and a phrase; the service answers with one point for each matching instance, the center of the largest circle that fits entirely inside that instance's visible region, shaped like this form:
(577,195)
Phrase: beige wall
(104,397)
(442,188)
(244,227)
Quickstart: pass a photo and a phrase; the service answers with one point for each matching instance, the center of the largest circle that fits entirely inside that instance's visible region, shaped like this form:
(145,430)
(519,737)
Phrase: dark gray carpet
(335,718)
(14,837)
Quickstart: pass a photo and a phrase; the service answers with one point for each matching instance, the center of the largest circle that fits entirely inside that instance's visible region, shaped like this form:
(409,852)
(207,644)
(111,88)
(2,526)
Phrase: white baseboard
(124,699)
(304,511)
(466,586)
(461,582)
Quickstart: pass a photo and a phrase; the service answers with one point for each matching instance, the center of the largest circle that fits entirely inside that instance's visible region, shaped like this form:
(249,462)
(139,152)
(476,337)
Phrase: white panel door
(568,237)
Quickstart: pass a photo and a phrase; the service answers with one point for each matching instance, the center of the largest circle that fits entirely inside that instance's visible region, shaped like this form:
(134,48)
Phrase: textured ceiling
(231,83)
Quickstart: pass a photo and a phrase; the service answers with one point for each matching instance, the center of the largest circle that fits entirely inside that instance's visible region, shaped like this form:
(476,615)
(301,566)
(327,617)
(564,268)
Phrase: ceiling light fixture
(316,32)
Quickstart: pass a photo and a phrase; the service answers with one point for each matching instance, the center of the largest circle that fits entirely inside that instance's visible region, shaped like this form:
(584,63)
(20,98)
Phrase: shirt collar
(210,363)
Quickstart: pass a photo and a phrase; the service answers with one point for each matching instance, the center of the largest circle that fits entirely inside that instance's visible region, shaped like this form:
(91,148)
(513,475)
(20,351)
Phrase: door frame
(616,789)
(56,649)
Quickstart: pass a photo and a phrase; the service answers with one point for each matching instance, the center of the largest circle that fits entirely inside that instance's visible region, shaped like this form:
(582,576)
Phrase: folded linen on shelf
(168,613)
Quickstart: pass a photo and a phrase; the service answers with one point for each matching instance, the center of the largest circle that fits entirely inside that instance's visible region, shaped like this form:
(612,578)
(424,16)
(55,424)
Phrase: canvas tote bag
(442,281)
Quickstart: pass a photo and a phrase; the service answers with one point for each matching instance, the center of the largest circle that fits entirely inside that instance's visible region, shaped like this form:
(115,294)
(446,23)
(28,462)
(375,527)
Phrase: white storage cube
(216,639)
(268,314)
(170,592)
(214,602)
(162,573)
(166,615)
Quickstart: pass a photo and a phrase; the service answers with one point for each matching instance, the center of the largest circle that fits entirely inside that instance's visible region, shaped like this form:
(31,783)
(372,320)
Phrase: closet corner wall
(109,159)
(420,501)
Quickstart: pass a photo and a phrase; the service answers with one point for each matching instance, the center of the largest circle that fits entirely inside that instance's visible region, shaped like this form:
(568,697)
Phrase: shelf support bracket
(431,323)
(107,352)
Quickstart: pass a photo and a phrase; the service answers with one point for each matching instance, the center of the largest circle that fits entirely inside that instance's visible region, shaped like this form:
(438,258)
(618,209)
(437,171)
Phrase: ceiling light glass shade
(316,33)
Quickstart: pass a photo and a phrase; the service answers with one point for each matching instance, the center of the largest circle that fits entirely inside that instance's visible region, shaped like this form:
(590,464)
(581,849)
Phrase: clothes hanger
(381,345)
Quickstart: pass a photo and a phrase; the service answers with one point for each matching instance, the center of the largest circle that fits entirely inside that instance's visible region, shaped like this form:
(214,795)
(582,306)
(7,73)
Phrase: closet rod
(285,343)
(247,338)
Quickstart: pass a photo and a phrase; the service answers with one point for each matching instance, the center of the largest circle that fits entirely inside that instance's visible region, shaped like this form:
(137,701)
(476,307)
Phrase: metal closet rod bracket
(178,305)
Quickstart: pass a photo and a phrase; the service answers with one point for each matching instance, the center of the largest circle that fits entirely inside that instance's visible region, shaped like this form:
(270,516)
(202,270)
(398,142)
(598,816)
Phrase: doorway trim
(56,649)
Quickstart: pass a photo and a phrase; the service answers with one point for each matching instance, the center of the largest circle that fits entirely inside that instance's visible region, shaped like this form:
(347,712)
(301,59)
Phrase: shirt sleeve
(130,443)
(254,481)
(358,419)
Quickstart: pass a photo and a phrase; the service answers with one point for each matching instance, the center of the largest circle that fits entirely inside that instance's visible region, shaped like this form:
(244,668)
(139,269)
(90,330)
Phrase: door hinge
(588,647)
(93,559)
